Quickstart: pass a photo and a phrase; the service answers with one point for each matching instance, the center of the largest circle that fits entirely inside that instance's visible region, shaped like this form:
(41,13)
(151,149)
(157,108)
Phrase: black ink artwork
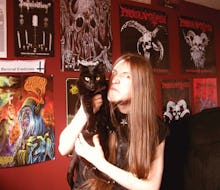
(33,28)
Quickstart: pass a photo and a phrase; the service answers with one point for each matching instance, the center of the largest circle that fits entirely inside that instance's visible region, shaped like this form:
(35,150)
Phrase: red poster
(205,93)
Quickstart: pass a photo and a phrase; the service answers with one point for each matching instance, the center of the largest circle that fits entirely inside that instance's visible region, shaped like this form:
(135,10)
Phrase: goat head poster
(196,46)
(26,120)
(144,31)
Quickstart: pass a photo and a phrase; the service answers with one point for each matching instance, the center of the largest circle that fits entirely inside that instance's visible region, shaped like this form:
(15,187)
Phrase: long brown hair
(142,119)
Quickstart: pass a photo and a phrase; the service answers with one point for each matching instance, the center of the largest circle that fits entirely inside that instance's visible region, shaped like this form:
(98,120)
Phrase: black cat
(91,82)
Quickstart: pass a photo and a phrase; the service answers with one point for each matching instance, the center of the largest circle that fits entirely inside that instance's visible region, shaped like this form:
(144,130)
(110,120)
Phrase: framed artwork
(26,120)
(85,38)
(204,93)
(34,28)
(3,29)
(144,31)
(175,99)
(196,46)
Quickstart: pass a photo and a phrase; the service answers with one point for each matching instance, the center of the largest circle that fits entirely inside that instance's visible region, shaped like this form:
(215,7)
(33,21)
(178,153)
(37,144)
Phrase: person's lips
(114,89)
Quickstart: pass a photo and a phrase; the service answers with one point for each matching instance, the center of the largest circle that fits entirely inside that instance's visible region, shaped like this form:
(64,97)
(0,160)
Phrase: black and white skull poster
(196,46)
(33,28)
(144,31)
(175,99)
(85,33)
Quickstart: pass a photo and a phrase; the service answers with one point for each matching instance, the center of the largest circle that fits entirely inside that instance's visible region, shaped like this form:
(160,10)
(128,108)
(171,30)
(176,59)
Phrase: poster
(205,93)
(26,120)
(33,28)
(85,33)
(175,99)
(3,29)
(72,98)
(144,31)
(196,46)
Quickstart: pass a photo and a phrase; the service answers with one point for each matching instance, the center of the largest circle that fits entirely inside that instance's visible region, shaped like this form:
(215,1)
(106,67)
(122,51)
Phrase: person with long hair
(136,145)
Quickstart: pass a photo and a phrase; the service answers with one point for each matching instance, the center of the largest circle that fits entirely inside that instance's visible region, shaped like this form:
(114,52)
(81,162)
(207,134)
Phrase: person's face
(120,83)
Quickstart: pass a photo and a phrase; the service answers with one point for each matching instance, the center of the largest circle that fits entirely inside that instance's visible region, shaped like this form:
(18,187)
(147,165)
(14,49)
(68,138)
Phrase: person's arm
(70,133)
(94,155)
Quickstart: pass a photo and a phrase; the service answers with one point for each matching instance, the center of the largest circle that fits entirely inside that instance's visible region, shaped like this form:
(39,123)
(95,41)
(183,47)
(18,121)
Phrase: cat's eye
(87,79)
(97,78)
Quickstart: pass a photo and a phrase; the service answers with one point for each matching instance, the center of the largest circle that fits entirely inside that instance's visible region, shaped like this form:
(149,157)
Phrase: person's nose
(115,79)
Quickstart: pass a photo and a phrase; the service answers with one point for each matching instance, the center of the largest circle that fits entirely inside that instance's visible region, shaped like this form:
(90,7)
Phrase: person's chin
(112,99)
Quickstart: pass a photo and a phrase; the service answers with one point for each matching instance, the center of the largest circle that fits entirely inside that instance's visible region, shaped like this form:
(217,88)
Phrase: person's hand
(97,102)
(93,154)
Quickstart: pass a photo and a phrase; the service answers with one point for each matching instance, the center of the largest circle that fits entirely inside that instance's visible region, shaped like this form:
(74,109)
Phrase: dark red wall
(51,174)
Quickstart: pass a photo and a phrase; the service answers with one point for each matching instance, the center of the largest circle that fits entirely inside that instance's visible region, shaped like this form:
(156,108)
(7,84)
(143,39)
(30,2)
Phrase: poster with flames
(175,99)
(196,46)
(145,32)
(205,93)
(85,27)
(26,120)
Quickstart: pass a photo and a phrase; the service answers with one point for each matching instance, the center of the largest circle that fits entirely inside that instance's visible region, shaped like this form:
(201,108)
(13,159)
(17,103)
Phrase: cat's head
(91,78)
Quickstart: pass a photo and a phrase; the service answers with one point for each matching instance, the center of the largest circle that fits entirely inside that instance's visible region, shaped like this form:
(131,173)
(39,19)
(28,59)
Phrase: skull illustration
(198,46)
(175,111)
(146,42)
(84,24)
(168,114)
(183,108)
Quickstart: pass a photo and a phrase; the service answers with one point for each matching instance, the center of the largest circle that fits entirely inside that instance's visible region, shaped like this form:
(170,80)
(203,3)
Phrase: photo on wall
(26,120)
(3,29)
(196,46)
(175,99)
(204,93)
(86,35)
(144,31)
(34,28)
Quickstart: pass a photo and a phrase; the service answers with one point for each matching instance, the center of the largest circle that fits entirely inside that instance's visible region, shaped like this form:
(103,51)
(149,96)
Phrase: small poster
(85,33)
(3,29)
(72,98)
(175,99)
(204,93)
(197,46)
(26,120)
(34,28)
(144,31)
(22,66)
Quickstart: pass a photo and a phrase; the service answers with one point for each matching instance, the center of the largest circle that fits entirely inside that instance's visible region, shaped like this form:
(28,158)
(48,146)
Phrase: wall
(51,174)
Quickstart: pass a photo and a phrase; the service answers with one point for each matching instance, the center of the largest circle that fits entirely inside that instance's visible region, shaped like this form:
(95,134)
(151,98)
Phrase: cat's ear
(81,67)
(100,66)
